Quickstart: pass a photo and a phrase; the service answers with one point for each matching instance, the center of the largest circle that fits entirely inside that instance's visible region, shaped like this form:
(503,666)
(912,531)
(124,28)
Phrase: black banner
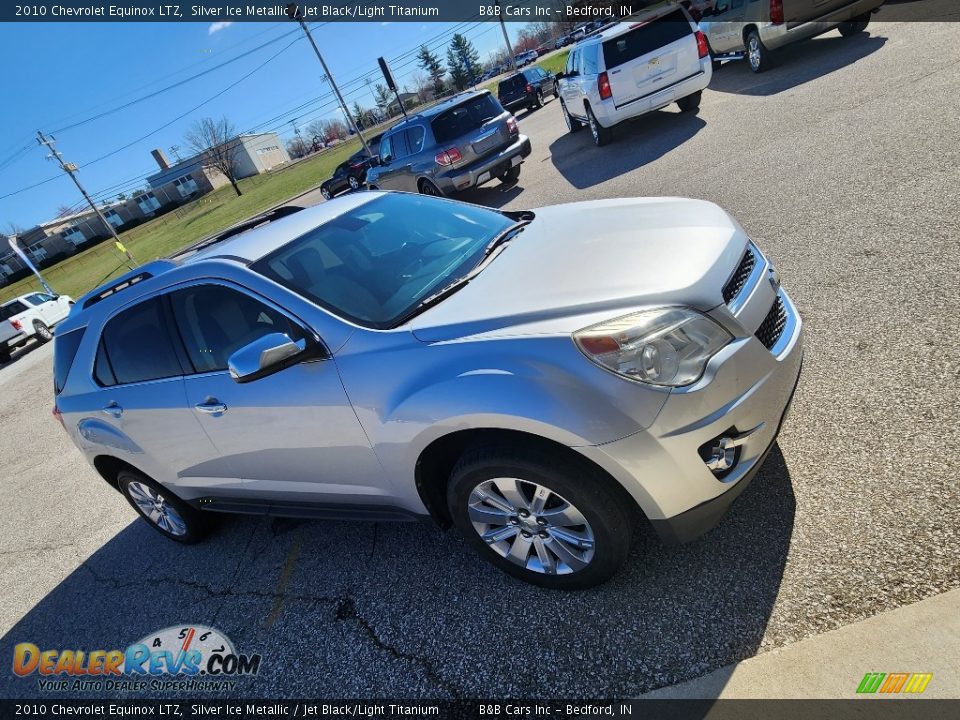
(862,709)
(522,11)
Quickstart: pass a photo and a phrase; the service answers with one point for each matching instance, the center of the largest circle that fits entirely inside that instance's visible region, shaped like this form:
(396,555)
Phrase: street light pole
(293,12)
(71,169)
(506,39)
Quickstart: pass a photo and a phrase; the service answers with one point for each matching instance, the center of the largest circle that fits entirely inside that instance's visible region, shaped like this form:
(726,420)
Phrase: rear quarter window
(646,39)
(65,348)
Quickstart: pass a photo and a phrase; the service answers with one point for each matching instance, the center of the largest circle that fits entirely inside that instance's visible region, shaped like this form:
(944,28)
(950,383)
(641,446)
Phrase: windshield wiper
(448,290)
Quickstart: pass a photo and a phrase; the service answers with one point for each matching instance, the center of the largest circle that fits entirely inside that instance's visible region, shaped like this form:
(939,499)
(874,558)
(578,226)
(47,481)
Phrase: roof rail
(242,227)
(144,272)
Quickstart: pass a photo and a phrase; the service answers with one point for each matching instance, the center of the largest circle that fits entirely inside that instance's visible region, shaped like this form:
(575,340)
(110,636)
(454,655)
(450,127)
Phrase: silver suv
(539,379)
(455,145)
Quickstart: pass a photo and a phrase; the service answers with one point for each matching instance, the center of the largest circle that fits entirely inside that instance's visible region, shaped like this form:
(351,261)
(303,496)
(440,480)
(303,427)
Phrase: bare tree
(63,211)
(216,142)
(336,129)
(297,148)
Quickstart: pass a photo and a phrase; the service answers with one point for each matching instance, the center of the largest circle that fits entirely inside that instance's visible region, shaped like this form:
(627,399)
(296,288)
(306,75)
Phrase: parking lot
(842,163)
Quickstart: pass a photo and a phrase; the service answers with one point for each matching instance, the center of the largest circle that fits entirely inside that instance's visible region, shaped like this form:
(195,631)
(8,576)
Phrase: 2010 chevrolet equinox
(539,379)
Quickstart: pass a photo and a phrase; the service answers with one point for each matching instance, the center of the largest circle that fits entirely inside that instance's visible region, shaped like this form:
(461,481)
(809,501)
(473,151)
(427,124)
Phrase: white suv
(634,68)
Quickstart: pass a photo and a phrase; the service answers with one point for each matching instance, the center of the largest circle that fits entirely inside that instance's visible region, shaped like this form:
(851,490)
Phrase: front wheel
(855,26)
(326,193)
(164,512)
(41,332)
(353,182)
(573,125)
(553,524)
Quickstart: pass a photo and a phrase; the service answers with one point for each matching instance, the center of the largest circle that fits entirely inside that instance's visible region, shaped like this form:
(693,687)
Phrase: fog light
(723,455)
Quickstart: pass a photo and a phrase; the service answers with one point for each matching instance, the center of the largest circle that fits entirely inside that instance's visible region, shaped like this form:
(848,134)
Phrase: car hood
(597,257)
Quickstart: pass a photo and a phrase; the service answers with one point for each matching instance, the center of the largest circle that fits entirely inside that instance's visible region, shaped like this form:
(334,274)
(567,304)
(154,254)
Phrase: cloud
(218,26)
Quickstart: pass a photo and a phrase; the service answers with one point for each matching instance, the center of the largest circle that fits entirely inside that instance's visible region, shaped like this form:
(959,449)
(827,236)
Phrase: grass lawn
(205,216)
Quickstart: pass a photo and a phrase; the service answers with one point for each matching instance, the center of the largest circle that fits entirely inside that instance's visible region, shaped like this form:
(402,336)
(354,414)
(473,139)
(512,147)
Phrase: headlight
(665,346)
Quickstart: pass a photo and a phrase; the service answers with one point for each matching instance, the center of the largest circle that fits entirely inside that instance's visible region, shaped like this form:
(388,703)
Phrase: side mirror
(384,160)
(559,76)
(266,355)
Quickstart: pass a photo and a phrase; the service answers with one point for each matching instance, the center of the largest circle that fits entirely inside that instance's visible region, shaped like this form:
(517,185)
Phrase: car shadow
(405,610)
(495,194)
(635,143)
(21,352)
(796,64)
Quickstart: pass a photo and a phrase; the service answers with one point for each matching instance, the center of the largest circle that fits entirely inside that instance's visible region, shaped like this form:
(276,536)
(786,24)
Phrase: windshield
(375,263)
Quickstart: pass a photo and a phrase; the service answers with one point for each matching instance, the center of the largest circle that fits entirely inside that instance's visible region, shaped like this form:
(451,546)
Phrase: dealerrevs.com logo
(182,657)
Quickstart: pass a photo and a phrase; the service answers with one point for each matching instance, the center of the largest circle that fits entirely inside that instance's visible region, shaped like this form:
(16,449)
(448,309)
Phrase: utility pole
(506,39)
(294,13)
(70,169)
(296,131)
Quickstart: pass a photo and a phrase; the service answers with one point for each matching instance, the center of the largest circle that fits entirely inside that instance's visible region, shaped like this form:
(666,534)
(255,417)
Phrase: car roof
(643,18)
(440,107)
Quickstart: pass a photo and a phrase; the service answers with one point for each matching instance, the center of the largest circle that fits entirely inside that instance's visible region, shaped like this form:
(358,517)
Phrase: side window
(34,299)
(400,149)
(45,298)
(136,346)
(572,63)
(415,140)
(589,55)
(386,149)
(216,321)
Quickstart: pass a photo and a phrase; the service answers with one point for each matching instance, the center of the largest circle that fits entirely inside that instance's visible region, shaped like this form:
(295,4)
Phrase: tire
(41,332)
(690,103)
(5,355)
(353,182)
(510,176)
(427,187)
(573,125)
(601,135)
(326,193)
(538,100)
(855,26)
(175,519)
(550,546)
(758,57)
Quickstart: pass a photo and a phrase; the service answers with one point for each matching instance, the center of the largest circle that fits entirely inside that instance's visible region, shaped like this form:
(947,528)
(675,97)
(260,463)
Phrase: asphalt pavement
(841,162)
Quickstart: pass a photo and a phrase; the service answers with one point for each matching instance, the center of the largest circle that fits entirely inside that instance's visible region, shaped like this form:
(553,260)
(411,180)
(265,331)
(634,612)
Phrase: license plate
(516,160)
(483,178)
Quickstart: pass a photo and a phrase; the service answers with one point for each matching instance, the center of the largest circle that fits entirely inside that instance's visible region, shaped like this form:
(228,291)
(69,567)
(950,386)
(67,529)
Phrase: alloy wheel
(354,183)
(43,332)
(325,193)
(753,51)
(155,508)
(531,526)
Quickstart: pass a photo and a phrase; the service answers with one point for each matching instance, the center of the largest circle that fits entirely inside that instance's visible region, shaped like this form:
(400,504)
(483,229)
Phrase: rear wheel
(164,512)
(41,332)
(690,102)
(757,54)
(544,521)
(573,125)
(538,100)
(427,187)
(601,135)
(855,26)
(510,176)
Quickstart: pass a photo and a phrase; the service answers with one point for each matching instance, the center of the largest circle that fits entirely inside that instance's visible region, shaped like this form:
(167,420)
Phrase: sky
(73,80)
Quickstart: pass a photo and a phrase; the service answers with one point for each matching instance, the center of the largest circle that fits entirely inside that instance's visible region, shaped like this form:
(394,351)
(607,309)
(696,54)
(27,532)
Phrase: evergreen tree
(463,61)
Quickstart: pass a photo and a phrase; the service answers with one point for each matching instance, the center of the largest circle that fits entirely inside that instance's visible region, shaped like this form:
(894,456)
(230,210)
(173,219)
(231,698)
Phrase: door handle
(113,410)
(211,407)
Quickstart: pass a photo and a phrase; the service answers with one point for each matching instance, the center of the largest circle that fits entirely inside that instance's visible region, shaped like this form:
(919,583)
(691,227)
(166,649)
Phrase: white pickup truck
(30,316)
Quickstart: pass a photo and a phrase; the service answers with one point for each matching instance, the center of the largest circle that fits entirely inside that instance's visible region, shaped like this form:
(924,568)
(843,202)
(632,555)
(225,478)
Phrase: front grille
(773,324)
(735,283)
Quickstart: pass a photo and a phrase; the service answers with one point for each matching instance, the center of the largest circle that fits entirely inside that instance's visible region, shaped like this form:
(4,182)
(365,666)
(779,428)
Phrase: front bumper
(746,388)
(484,170)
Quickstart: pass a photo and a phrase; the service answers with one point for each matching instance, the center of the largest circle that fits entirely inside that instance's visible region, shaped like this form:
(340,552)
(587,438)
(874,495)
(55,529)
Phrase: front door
(292,436)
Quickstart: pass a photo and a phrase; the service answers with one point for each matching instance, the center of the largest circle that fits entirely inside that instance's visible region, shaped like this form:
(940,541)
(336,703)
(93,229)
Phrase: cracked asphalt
(842,163)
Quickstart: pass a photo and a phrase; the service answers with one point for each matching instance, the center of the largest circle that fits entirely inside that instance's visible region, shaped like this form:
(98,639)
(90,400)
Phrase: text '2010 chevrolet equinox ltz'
(538,379)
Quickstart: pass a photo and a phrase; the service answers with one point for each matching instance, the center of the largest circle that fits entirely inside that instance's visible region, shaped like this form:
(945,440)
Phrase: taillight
(776,12)
(58,416)
(512,125)
(702,46)
(448,157)
(603,84)
(16,325)
(529,88)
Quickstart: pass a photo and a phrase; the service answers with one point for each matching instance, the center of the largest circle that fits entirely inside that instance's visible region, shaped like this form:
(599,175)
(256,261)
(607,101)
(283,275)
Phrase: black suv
(349,175)
(527,87)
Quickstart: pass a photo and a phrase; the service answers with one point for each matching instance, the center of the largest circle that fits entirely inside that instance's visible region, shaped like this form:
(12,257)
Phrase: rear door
(476,127)
(650,56)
